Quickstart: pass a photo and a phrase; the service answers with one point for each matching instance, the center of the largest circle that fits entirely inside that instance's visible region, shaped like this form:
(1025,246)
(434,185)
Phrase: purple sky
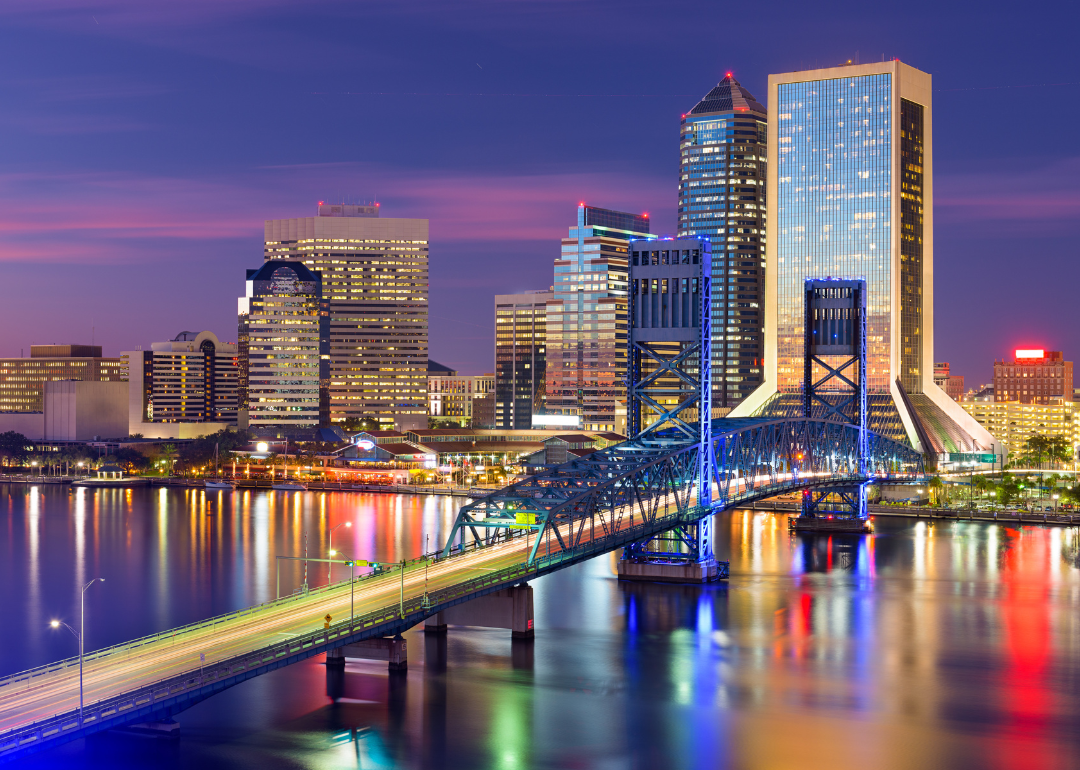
(142,145)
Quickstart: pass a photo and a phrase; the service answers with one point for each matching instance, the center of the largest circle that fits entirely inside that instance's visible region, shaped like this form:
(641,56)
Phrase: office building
(722,174)
(375,283)
(586,320)
(520,357)
(1014,422)
(461,399)
(850,193)
(952,384)
(22,380)
(74,411)
(191,378)
(1034,377)
(278,346)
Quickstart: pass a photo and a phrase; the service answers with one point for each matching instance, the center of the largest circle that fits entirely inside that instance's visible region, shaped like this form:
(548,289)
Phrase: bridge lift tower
(669,390)
(834,388)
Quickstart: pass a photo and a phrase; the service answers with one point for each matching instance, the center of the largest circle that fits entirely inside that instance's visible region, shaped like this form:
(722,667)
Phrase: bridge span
(608,500)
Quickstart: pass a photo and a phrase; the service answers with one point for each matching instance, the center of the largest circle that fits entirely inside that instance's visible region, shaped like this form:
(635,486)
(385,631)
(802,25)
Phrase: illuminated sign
(1030,354)
(366,444)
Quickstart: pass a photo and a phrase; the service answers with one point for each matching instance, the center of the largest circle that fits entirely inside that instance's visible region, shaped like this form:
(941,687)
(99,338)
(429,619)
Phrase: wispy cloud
(117,218)
(1005,197)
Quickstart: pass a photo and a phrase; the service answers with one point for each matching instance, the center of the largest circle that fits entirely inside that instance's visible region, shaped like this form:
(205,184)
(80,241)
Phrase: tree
(356,424)
(168,454)
(938,493)
(1059,450)
(14,448)
(1007,490)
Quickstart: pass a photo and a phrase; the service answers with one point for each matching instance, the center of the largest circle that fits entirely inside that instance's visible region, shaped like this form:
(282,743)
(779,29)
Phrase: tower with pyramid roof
(722,174)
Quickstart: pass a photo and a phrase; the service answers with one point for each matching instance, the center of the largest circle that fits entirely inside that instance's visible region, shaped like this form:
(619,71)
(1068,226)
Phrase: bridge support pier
(680,555)
(392,649)
(510,608)
(834,509)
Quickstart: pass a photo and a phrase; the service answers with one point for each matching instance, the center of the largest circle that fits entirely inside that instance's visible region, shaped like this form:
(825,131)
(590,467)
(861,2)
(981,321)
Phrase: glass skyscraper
(722,175)
(851,196)
(520,357)
(586,319)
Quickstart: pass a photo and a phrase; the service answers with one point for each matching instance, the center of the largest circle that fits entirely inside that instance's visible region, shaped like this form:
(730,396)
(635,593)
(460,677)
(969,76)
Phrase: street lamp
(80,635)
(330,569)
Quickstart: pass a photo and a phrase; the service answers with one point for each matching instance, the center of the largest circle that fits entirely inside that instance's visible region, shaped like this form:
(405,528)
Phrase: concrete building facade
(461,399)
(375,285)
(22,380)
(278,348)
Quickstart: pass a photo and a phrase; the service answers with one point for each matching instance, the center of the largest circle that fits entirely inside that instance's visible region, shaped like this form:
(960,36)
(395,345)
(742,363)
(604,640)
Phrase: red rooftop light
(320,203)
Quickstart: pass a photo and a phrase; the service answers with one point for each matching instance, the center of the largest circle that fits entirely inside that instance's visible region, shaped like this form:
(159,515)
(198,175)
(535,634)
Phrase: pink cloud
(1048,194)
(118,218)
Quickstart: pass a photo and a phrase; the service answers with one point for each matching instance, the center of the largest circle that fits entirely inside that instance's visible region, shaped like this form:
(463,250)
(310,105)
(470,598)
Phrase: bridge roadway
(110,675)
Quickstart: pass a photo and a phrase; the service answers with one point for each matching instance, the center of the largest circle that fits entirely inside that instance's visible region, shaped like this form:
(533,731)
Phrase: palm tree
(937,491)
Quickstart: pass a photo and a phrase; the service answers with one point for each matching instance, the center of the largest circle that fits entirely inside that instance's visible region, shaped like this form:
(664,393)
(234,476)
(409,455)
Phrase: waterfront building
(722,175)
(520,357)
(375,283)
(952,384)
(463,399)
(1014,422)
(22,380)
(850,192)
(586,320)
(1034,377)
(190,378)
(280,328)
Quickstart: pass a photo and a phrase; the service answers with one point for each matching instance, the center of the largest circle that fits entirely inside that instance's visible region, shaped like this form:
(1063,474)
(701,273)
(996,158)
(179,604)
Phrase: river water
(928,645)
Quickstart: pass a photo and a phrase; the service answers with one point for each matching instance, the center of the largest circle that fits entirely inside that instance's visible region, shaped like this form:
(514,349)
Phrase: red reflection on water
(1025,619)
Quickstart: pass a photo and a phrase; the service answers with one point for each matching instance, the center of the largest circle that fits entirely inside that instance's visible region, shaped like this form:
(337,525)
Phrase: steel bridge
(608,500)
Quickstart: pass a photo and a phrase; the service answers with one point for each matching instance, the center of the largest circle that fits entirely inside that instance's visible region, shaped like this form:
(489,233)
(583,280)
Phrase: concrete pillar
(510,608)
(521,624)
(391,649)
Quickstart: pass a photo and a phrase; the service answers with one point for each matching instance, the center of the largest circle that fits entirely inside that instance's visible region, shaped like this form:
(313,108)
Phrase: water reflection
(931,644)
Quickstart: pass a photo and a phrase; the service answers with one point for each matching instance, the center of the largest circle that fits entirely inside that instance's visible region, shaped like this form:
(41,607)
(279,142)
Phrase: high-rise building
(190,378)
(722,174)
(22,380)
(375,285)
(952,384)
(850,192)
(520,357)
(278,342)
(586,320)
(1034,377)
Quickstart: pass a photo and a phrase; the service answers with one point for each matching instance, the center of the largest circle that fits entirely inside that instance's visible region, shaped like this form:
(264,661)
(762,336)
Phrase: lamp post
(330,569)
(80,635)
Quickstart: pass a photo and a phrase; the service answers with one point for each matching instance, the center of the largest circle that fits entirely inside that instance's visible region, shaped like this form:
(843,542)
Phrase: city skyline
(97,213)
